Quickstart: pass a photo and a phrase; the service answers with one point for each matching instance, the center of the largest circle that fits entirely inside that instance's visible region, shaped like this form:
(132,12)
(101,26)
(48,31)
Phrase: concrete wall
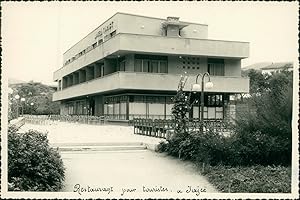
(90,39)
(158,45)
(184,46)
(92,56)
(128,23)
(149,81)
(176,65)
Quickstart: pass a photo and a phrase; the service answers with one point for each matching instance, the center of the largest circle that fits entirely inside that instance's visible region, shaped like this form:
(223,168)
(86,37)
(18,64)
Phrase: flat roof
(126,14)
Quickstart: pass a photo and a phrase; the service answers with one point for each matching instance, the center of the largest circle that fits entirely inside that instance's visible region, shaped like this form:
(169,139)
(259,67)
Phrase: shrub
(32,164)
(265,136)
(254,179)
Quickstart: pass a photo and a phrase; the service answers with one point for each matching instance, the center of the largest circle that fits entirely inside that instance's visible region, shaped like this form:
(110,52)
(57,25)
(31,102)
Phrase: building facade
(130,67)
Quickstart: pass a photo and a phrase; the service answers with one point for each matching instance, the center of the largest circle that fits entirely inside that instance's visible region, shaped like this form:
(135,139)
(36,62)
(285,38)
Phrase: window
(154,66)
(122,65)
(145,66)
(95,45)
(138,65)
(214,100)
(216,67)
(150,63)
(163,67)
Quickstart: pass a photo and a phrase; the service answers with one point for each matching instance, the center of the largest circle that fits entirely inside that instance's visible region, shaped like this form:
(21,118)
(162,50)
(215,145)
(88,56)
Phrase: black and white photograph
(149,99)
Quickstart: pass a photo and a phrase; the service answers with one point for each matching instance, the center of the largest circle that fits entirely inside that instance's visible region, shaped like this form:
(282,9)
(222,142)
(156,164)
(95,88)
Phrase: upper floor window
(216,67)
(151,64)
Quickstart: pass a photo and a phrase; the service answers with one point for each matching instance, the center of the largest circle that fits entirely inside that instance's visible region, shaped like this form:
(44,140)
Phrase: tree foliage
(265,136)
(38,94)
(32,164)
(180,109)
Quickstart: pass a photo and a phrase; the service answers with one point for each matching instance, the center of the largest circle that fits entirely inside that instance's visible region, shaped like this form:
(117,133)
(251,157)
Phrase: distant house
(269,67)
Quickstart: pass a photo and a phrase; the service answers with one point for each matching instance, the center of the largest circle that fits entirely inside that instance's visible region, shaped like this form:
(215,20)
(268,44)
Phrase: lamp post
(196,88)
(17,97)
(22,106)
(31,104)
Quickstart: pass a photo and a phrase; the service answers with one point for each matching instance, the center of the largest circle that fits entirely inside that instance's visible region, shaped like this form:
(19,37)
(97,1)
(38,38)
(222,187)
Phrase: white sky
(35,34)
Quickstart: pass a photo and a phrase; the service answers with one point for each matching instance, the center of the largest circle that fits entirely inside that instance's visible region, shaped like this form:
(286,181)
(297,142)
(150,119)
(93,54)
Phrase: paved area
(132,169)
(61,133)
(109,162)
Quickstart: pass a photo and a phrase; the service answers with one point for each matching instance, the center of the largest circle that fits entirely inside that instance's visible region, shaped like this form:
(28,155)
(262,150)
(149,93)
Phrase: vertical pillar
(75,78)
(59,85)
(70,80)
(165,108)
(92,72)
(97,72)
(127,108)
(89,73)
(82,75)
(65,82)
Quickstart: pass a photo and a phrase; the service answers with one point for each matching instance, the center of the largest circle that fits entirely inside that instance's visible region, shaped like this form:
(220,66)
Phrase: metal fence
(165,128)
(50,119)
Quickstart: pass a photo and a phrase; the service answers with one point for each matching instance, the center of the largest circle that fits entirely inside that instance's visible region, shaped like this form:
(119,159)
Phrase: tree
(270,125)
(258,82)
(38,98)
(180,109)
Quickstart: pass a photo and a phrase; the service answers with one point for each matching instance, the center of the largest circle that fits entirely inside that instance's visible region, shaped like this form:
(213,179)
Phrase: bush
(263,136)
(254,179)
(32,164)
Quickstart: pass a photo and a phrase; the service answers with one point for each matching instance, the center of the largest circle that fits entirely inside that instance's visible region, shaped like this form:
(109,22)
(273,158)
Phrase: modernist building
(130,67)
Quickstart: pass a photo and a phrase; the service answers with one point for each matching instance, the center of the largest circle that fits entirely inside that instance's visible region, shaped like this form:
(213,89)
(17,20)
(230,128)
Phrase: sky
(36,34)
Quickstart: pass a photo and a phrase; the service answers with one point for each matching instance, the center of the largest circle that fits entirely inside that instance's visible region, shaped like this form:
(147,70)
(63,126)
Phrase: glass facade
(129,106)
(137,106)
(77,107)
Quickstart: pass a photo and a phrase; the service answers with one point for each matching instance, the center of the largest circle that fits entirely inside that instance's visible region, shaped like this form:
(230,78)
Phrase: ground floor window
(137,106)
(115,107)
(129,106)
(77,108)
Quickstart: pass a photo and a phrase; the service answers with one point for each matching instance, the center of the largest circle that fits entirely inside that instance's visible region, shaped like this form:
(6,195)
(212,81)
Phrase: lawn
(253,179)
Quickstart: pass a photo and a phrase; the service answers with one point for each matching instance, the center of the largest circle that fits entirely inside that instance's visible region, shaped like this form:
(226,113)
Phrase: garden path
(128,167)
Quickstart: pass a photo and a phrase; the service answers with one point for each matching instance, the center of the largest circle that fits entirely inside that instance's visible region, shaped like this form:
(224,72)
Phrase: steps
(124,146)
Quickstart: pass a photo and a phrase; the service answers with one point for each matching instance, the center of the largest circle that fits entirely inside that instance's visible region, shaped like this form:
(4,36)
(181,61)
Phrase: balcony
(147,81)
(134,43)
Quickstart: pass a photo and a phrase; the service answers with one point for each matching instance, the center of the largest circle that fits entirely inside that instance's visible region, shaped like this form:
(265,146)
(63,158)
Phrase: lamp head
(209,85)
(196,87)
(10,91)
